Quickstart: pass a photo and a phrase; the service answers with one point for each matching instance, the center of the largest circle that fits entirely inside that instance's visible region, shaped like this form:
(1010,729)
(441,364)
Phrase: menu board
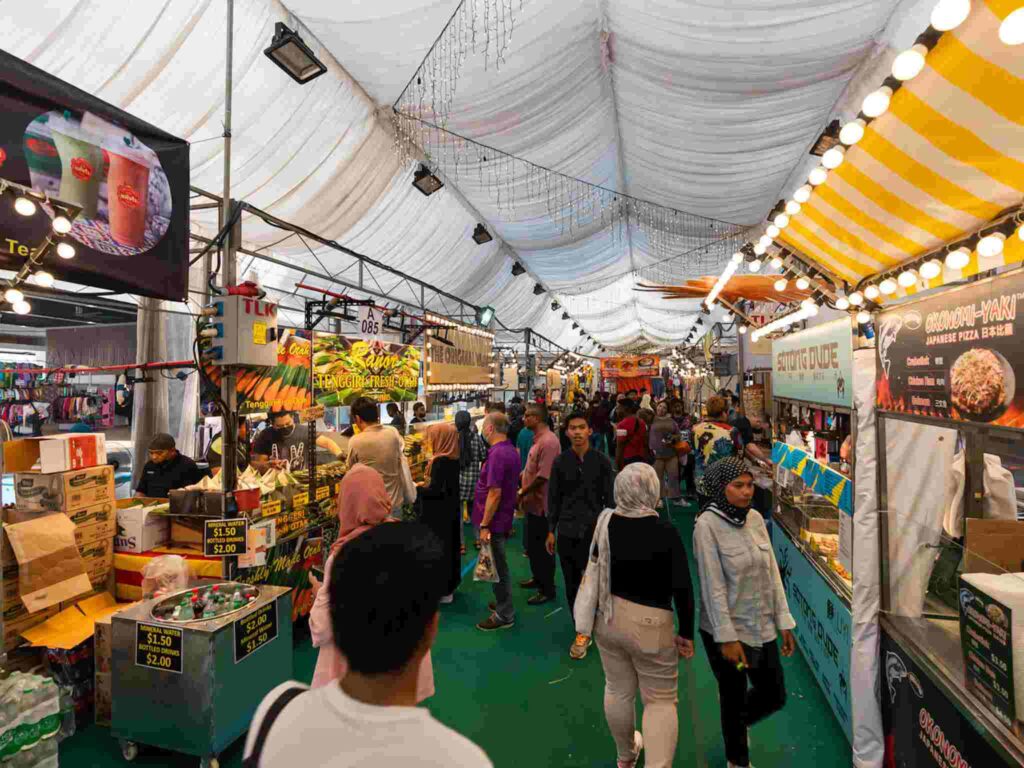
(753,400)
(815,365)
(954,356)
(630,367)
(986,639)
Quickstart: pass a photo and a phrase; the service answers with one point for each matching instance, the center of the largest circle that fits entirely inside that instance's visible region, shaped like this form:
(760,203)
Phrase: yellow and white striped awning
(945,159)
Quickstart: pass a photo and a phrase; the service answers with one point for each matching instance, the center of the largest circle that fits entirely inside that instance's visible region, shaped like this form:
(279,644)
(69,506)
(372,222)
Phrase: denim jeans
(505,610)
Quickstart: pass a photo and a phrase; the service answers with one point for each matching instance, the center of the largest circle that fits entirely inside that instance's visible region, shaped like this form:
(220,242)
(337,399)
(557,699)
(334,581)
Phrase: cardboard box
(26,621)
(63,491)
(99,559)
(138,529)
(92,524)
(103,694)
(88,534)
(187,533)
(105,513)
(991,543)
(59,453)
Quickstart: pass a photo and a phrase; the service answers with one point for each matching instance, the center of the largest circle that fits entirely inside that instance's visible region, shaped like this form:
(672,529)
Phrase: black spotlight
(575,326)
(583,333)
(555,306)
(518,269)
(481,235)
(538,289)
(291,54)
(700,321)
(426,182)
(565,315)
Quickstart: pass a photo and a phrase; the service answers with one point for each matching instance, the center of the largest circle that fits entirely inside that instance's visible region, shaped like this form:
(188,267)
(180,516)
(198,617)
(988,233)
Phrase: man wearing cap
(166,469)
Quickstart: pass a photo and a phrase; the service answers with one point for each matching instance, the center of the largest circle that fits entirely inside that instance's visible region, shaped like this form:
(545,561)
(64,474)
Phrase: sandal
(462,549)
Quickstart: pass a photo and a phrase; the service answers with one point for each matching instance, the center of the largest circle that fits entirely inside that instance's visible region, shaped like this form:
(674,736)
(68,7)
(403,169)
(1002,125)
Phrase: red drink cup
(127,196)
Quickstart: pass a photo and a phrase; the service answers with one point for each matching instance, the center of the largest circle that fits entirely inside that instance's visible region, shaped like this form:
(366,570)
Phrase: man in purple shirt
(493,508)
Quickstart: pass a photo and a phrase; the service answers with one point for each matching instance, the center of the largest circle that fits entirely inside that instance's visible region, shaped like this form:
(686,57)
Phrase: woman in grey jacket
(743,606)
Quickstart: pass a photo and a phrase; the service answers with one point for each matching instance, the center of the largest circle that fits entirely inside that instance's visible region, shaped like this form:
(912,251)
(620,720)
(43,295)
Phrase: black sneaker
(529,584)
(539,599)
(492,623)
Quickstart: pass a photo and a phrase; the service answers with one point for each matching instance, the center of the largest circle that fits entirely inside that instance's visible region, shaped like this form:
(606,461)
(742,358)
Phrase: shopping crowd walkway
(517,694)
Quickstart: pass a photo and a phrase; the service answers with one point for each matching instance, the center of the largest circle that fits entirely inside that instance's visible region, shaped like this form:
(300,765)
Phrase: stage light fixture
(426,182)
(481,235)
(291,54)
(538,290)
(518,269)
(24,206)
(484,316)
(65,250)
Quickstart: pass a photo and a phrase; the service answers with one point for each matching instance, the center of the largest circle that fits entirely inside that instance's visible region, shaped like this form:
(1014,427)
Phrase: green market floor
(517,694)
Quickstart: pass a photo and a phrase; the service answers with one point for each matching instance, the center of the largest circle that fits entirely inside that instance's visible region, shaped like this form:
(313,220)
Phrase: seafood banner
(822,625)
(346,369)
(923,728)
(466,360)
(129,179)
(815,365)
(955,355)
(630,367)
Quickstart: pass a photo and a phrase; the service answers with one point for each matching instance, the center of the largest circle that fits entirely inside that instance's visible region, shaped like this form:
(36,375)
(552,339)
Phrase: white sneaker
(638,745)
(448,599)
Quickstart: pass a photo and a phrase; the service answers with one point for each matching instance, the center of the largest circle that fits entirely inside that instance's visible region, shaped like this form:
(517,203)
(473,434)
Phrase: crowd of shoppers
(598,501)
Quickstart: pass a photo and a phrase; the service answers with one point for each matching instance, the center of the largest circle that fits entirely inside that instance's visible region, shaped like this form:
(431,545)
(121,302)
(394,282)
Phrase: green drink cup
(81,168)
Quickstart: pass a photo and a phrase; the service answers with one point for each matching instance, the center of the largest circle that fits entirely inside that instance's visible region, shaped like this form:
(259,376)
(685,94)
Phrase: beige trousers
(670,466)
(638,652)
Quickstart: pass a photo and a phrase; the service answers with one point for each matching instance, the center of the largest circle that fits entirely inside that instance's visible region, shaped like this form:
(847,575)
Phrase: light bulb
(852,132)
(792,207)
(813,310)
(871,292)
(13,295)
(909,64)
(863,317)
(24,206)
(907,278)
(45,279)
(877,102)
(781,284)
(737,258)
(950,14)
(991,245)
(781,221)
(742,329)
(958,259)
(807,303)
(755,265)
(842,303)
(833,158)
(1011,31)
(765,240)
(61,225)
(772,231)
(803,283)
(776,263)
(931,269)
(22,307)
(759,249)
(817,176)
(856,298)
(888,286)
(1020,233)
(66,250)
(803,194)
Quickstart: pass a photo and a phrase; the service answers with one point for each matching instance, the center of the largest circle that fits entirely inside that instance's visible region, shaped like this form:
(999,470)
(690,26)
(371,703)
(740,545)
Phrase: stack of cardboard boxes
(66,475)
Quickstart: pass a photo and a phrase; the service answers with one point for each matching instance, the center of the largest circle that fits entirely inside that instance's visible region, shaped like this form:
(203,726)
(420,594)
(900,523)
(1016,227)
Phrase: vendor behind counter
(280,444)
(166,469)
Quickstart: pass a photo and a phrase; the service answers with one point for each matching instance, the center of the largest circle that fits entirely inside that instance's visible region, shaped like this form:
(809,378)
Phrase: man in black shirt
(419,413)
(166,469)
(280,445)
(581,485)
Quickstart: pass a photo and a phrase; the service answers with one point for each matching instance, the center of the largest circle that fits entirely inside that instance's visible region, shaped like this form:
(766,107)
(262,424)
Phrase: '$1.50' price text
(153,639)
(256,642)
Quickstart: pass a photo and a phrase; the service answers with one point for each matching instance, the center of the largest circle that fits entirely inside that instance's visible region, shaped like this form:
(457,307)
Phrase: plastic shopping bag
(485,569)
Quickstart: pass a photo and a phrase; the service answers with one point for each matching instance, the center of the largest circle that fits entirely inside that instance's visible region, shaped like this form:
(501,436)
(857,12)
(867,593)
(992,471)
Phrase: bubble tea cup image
(128,194)
(81,160)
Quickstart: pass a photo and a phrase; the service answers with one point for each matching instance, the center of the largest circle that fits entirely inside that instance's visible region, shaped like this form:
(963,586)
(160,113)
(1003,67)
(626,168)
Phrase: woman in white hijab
(637,569)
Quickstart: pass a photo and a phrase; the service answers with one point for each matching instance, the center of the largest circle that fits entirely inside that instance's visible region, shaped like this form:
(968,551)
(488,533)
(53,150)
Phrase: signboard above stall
(128,179)
(464,360)
(815,365)
(630,367)
(955,355)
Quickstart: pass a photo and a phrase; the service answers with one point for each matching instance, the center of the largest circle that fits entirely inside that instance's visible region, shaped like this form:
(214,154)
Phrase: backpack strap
(275,709)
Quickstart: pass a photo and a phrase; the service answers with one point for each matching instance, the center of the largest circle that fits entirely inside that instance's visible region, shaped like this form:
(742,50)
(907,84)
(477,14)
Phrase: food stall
(812,530)
(950,425)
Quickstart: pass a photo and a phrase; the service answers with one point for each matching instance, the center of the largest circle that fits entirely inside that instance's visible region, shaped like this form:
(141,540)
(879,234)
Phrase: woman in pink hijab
(363,502)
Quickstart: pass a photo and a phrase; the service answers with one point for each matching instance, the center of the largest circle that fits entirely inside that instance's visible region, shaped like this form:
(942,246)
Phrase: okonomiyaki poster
(956,355)
(128,179)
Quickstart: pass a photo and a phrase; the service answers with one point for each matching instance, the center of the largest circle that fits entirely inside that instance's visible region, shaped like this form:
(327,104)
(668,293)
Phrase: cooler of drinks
(189,669)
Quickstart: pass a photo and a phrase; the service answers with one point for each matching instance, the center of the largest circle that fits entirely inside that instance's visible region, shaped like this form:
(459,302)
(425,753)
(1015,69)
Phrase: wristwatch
(485,527)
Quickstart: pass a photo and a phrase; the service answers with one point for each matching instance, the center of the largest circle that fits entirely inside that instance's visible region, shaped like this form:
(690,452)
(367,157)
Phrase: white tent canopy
(706,109)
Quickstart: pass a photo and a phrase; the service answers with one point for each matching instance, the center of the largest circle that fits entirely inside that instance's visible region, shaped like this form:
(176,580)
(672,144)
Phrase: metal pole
(229,434)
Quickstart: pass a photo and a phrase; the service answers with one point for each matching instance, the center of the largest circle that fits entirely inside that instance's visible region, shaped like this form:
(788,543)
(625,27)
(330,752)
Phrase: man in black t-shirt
(280,445)
(166,469)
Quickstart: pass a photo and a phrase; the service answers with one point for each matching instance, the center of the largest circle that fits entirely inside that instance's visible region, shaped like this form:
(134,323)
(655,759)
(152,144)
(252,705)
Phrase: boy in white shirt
(385,621)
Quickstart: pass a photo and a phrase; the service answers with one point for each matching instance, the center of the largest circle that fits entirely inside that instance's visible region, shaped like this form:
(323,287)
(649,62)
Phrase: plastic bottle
(67,712)
(48,709)
(12,721)
(26,735)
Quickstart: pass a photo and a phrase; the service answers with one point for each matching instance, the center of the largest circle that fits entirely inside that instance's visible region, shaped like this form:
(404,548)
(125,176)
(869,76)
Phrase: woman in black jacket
(439,498)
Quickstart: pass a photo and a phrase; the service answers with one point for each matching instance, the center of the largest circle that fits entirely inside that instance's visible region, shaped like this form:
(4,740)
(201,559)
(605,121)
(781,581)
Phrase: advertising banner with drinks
(630,367)
(345,369)
(465,360)
(955,355)
(129,179)
(288,565)
(815,365)
(822,626)
(924,729)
